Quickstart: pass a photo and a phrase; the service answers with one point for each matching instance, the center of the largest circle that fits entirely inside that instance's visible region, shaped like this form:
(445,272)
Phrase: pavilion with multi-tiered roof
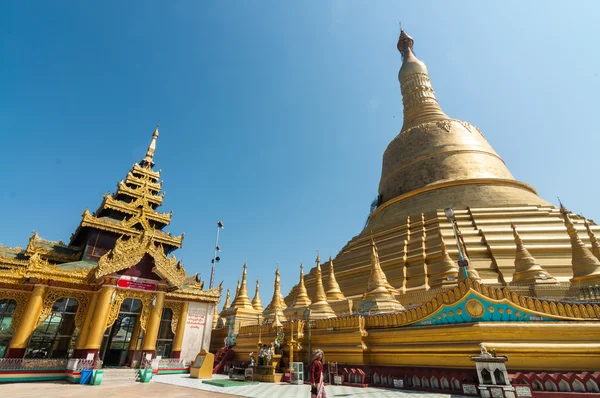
(115,292)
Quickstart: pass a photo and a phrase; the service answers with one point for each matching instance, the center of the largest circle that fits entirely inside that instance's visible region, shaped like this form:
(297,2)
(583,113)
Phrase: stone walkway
(273,390)
(137,390)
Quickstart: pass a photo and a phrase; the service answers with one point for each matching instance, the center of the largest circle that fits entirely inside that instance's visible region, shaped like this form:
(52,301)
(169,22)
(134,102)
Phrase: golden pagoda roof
(256,303)
(274,310)
(302,300)
(319,307)
(334,293)
(527,268)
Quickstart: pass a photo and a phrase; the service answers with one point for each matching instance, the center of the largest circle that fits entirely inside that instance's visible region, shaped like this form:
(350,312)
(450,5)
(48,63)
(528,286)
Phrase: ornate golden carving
(122,228)
(120,296)
(42,269)
(21,300)
(34,246)
(474,308)
(52,295)
(128,253)
(175,306)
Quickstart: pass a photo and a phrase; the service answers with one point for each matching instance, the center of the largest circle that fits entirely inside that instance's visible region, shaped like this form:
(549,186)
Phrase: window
(164,341)
(7,309)
(55,337)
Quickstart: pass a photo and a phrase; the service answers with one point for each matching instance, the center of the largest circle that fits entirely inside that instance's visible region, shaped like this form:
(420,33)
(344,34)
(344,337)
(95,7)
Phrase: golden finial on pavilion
(320,308)
(527,269)
(256,303)
(149,159)
(302,299)
(237,289)
(586,267)
(593,239)
(334,293)
(445,273)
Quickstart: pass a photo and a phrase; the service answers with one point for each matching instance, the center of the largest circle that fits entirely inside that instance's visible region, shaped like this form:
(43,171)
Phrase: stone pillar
(99,319)
(149,346)
(20,340)
(178,339)
(85,328)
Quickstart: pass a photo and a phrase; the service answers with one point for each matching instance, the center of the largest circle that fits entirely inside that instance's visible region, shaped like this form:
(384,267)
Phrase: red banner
(129,284)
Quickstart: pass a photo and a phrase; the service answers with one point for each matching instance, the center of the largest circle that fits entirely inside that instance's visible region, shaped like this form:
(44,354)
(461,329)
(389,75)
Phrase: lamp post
(462,261)
(215,259)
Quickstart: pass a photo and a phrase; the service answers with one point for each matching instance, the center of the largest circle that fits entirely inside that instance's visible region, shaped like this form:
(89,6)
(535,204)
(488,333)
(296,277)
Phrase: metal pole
(212,273)
(461,257)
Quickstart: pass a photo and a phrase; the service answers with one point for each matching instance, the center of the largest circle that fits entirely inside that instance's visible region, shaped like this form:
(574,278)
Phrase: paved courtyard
(284,390)
(180,386)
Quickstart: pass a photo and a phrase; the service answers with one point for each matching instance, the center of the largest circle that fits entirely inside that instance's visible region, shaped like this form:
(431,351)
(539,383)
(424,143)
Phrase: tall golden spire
(302,299)
(237,290)
(274,310)
(586,267)
(241,299)
(320,308)
(593,240)
(149,159)
(527,269)
(256,303)
(227,301)
(334,293)
(418,96)
(377,297)
(445,273)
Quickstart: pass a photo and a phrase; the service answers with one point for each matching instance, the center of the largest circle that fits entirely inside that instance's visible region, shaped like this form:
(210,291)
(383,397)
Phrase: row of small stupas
(381,296)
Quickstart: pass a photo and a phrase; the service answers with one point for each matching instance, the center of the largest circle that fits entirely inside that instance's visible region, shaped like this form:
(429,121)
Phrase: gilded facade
(115,292)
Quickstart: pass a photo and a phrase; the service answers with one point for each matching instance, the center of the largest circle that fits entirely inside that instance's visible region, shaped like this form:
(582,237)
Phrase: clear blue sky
(275,115)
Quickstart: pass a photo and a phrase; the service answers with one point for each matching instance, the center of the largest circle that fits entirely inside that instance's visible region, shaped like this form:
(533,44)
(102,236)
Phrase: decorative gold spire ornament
(593,240)
(149,159)
(241,299)
(445,273)
(527,269)
(237,290)
(256,303)
(227,301)
(334,293)
(377,298)
(320,308)
(215,316)
(586,267)
(274,310)
(302,299)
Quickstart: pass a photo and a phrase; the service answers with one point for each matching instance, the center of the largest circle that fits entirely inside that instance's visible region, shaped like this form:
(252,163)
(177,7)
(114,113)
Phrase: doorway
(122,340)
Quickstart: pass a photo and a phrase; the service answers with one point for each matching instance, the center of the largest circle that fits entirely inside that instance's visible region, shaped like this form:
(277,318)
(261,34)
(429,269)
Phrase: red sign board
(129,284)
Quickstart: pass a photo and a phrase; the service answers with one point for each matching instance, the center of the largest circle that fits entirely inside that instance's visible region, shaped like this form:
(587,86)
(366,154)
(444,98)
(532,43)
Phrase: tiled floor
(271,390)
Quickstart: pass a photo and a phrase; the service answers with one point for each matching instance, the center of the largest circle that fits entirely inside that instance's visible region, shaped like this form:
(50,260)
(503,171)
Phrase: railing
(33,364)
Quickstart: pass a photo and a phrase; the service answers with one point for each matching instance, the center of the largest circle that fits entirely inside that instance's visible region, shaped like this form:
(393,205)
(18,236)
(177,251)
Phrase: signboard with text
(130,284)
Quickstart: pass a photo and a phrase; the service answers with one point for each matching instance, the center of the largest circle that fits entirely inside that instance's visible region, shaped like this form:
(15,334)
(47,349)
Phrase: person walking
(317,385)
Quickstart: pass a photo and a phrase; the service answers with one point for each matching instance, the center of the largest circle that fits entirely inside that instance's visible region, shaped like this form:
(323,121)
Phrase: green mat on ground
(229,383)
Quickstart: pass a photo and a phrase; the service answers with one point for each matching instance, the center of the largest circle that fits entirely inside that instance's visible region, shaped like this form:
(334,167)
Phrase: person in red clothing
(317,386)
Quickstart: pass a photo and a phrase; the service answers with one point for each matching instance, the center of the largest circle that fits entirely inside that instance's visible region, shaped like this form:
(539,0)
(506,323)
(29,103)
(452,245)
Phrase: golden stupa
(437,162)
(456,255)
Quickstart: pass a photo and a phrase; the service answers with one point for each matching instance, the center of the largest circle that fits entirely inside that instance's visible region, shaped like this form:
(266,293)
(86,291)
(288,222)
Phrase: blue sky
(275,115)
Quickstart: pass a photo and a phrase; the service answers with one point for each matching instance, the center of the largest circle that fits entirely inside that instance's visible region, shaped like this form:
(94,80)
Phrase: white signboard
(197,324)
